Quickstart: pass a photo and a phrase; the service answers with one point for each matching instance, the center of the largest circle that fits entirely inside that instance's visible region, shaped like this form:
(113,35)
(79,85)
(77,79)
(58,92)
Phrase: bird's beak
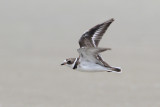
(64,63)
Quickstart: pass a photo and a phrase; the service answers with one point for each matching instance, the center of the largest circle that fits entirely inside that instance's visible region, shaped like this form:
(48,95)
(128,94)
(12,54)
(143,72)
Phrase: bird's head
(69,62)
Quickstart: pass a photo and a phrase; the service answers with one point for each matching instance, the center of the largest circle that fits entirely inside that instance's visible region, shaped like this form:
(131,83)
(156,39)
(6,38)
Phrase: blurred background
(37,35)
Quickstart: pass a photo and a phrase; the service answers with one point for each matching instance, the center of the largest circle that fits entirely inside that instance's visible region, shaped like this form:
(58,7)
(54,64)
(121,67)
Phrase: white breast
(89,66)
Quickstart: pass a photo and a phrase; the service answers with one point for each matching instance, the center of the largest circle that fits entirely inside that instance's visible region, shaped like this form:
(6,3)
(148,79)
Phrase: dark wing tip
(110,20)
(86,38)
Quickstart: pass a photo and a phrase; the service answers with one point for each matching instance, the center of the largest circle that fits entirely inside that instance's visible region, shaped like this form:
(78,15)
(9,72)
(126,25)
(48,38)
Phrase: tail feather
(115,69)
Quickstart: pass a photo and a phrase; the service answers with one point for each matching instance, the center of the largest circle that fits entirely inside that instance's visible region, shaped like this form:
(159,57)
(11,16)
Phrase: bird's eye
(69,62)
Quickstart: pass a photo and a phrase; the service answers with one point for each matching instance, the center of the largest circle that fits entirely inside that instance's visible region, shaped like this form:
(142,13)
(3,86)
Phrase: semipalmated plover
(89,53)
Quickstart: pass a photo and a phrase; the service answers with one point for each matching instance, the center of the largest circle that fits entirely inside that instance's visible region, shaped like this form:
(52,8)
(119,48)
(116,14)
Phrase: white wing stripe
(93,42)
(95,36)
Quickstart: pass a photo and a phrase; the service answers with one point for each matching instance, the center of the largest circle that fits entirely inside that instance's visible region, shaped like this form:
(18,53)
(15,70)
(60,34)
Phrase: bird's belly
(91,67)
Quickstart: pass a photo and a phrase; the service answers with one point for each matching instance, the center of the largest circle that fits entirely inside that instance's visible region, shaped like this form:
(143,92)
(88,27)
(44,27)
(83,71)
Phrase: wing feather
(92,55)
(92,37)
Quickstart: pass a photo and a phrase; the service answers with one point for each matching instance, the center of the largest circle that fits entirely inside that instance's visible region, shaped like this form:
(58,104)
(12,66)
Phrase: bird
(89,53)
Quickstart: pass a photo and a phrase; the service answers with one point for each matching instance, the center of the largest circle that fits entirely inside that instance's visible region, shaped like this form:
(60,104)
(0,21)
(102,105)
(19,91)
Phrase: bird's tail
(115,69)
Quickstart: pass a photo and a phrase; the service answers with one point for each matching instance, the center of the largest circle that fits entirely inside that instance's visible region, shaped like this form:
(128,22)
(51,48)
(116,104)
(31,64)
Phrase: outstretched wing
(92,37)
(92,55)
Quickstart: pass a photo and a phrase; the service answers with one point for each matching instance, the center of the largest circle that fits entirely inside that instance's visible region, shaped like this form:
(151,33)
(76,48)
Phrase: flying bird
(89,53)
